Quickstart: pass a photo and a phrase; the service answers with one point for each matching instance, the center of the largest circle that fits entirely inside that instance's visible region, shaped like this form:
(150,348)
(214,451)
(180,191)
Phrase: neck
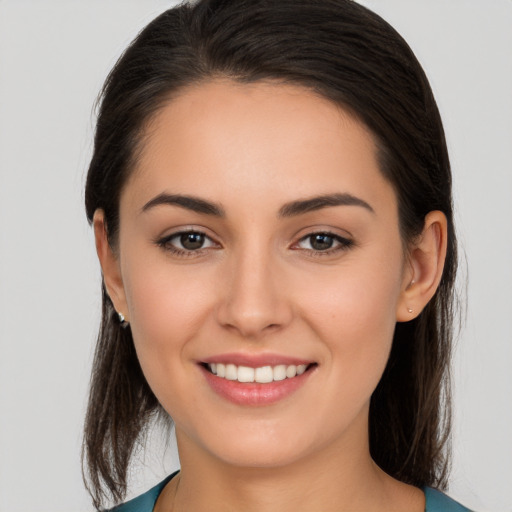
(339,478)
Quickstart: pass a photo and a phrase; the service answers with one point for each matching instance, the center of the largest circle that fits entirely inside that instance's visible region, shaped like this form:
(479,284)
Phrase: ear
(425,269)
(110,267)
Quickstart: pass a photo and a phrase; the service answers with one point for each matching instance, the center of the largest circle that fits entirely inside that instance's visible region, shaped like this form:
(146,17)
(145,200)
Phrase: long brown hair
(351,56)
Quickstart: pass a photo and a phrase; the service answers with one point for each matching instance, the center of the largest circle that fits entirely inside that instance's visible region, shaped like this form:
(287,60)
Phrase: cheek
(354,311)
(167,306)
(358,333)
(360,298)
(167,309)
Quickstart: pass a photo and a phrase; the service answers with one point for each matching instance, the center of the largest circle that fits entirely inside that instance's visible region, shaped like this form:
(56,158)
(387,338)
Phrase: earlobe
(426,261)
(109,262)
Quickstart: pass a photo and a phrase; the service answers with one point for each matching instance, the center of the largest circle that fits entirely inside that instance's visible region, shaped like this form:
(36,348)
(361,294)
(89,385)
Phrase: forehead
(224,138)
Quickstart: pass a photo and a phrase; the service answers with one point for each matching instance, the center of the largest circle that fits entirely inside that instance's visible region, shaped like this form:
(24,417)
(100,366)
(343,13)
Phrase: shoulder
(436,501)
(145,502)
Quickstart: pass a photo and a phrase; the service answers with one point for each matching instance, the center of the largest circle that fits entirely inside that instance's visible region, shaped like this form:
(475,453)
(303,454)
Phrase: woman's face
(257,231)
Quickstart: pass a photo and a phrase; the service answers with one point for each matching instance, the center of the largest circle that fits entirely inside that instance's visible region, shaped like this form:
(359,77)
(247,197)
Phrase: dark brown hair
(343,52)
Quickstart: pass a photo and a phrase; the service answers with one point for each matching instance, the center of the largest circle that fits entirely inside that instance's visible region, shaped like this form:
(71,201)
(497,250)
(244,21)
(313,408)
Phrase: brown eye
(186,242)
(192,241)
(324,243)
(321,241)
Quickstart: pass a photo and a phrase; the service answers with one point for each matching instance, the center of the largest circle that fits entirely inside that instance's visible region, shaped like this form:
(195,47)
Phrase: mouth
(258,380)
(261,374)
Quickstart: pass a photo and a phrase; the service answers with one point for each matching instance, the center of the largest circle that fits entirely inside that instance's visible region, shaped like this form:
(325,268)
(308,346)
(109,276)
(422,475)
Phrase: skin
(259,286)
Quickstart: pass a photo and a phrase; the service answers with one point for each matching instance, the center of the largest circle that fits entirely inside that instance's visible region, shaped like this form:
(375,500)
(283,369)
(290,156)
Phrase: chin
(266,448)
(259,457)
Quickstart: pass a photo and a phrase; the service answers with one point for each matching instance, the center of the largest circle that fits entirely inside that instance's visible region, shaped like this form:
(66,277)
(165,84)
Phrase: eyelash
(343,243)
(166,244)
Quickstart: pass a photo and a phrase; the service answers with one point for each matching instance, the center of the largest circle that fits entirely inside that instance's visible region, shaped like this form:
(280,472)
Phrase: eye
(186,242)
(324,243)
(191,241)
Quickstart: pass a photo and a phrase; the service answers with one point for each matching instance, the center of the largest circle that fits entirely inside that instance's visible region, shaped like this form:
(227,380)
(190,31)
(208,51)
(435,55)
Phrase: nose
(254,300)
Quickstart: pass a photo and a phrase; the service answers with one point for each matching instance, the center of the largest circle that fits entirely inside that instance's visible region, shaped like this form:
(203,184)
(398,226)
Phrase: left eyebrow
(318,202)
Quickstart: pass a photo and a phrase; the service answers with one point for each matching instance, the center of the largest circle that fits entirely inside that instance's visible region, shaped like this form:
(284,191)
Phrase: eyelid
(183,229)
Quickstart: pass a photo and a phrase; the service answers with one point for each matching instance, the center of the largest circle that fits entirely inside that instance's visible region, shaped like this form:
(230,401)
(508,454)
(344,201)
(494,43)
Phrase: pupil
(192,241)
(321,242)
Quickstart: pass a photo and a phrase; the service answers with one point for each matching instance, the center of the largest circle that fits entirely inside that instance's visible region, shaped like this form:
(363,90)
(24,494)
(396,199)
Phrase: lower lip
(254,393)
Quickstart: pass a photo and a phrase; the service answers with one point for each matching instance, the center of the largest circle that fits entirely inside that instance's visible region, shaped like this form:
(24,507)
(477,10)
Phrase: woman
(270,192)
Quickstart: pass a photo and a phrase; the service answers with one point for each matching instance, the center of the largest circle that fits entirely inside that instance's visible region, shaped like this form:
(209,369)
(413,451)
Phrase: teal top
(436,501)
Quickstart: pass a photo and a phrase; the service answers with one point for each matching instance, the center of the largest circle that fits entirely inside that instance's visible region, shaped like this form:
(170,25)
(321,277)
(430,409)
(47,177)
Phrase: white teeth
(231,372)
(291,371)
(280,372)
(245,374)
(262,375)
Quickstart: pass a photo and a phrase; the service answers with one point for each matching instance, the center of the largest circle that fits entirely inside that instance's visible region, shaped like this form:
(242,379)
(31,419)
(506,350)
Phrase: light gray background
(54,56)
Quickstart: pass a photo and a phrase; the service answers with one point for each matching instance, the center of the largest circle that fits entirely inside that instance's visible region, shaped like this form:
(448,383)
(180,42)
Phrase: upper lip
(255,360)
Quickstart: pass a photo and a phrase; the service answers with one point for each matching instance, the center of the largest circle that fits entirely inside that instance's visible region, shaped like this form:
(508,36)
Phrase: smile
(261,375)
(256,380)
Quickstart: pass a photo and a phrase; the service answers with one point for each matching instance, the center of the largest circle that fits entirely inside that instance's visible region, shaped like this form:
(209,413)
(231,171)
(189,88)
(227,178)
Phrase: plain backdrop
(54,56)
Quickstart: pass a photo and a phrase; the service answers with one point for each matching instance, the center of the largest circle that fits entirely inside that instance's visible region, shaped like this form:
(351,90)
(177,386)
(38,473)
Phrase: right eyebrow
(192,203)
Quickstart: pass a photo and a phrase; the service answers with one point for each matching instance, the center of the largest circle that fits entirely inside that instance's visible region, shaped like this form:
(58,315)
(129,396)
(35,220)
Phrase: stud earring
(122,320)
(409,309)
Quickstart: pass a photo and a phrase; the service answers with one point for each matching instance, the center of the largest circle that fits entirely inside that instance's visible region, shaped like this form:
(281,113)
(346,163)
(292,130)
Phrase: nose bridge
(253,303)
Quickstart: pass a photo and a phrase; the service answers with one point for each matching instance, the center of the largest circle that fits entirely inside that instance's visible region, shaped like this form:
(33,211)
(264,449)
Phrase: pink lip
(254,393)
(255,360)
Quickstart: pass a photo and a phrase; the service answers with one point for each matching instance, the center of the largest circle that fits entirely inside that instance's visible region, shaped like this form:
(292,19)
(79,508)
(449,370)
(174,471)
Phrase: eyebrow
(319,202)
(291,209)
(192,203)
